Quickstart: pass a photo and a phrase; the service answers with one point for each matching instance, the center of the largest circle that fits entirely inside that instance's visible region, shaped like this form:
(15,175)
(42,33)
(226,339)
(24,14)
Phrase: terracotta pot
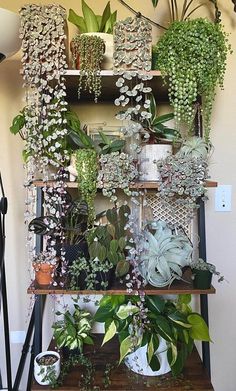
(44,273)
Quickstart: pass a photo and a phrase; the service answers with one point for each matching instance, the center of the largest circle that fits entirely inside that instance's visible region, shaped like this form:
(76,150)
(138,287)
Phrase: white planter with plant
(149,155)
(47,367)
(98,25)
(137,361)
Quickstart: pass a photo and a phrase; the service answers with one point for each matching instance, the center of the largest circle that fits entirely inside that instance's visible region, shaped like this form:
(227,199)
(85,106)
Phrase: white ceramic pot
(137,361)
(72,169)
(107,62)
(9,32)
(149,154)
(41,370)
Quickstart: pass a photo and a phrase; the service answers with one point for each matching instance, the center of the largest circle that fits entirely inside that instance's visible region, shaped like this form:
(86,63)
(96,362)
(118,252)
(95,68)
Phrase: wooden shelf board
(177,287)
(109,91)
(138,185)
(193,378)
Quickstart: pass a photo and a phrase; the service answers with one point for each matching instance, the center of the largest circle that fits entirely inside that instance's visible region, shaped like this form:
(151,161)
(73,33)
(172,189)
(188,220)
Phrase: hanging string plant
(192,54)
(87,52)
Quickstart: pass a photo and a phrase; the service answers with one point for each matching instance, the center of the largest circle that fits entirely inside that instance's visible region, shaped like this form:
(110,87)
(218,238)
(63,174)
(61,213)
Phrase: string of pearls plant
(87,54)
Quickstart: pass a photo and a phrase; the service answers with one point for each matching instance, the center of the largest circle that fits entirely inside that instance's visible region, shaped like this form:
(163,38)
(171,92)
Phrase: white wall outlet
(223,194)
(17,336)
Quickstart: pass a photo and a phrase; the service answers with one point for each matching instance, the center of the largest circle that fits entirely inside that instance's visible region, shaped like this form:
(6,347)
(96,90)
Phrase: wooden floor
(193,378)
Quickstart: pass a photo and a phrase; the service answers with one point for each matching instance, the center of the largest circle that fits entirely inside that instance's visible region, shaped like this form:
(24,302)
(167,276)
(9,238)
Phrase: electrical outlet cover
(223,195)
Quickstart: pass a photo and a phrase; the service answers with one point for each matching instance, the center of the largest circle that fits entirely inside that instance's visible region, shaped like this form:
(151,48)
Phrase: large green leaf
(105,16)
(163,118)
(17,124)
(199,330)
(90,18)
(111,331)
(179,319)
(150,350)
(126,310)
(155,304)
(125,347)
(164,328)
(77,20)
(122,268)
(154,3)
(103,313)
(153,108)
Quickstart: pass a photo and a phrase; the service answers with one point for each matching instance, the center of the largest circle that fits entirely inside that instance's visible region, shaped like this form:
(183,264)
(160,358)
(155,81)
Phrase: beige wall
(221,227)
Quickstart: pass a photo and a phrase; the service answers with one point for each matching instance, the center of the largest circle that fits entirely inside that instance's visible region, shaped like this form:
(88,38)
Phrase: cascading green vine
(87,171)
(193,55)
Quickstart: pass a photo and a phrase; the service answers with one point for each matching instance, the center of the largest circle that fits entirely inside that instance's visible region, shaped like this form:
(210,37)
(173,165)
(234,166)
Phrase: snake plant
(163,255)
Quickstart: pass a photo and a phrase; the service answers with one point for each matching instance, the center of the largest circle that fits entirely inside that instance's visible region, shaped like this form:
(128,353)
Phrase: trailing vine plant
(43,63)
(87,54)
(192,54)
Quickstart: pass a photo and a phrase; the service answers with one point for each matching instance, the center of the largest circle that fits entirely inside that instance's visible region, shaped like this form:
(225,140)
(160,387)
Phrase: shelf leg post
(38,320)
(204,298)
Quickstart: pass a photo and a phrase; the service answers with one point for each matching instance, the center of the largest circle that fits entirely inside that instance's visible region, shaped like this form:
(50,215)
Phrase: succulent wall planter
(47,367)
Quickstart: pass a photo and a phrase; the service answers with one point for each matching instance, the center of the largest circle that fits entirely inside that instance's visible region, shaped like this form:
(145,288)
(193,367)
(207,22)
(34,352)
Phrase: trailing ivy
(192,54)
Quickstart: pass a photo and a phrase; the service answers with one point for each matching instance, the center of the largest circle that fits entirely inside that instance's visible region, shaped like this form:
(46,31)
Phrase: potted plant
(47,367)
(157,139)
(163,254)
(67,232)
(183,175)
(44,265)
(97,25)
(192,54)
(73,330)
(143,323)
(202,273)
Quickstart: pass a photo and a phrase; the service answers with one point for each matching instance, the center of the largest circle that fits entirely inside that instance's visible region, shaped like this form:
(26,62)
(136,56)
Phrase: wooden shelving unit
(194,377)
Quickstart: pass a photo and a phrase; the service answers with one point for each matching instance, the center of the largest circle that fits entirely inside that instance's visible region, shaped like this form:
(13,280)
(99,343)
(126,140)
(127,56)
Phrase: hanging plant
(44,61)
(87,171)
(117,171)
(192,54)
(87,53)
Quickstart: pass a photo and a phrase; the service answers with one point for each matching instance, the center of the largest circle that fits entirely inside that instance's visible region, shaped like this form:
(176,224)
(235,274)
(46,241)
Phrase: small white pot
(43,368)
(107,62)
(72,169)
(149,154)
(137,361)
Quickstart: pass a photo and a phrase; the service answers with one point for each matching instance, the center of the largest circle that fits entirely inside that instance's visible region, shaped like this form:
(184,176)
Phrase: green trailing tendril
(193,55)
(86,166)
(88,52)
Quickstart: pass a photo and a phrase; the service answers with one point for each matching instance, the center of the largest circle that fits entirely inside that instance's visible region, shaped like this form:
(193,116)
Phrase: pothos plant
(142,322)
(192,54)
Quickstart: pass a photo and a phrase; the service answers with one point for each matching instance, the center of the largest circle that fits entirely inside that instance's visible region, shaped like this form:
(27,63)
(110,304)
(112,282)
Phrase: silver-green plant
(163,254)
(196,147)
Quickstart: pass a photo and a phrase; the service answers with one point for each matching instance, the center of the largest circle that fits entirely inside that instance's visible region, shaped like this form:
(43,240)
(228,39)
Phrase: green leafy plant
(155,125)
(192,54)
(90,274)
(163,254)
(108,146)
(110,242)
(74,330)
(73,224)
(91,22)
(87,53)
(138,325)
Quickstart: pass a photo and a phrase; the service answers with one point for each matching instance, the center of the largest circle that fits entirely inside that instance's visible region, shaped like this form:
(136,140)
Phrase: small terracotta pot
(44,273)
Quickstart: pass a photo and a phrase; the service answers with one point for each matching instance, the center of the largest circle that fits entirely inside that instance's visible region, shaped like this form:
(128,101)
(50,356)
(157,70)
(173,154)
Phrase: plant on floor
(192,54)
(93,23)
(74,330)
(163,254)
(141,322)
(87,54)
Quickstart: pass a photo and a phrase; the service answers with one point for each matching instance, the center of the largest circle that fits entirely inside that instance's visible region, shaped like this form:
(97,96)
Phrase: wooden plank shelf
(109,91)
(137,185)
(177,287)
(193,378)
